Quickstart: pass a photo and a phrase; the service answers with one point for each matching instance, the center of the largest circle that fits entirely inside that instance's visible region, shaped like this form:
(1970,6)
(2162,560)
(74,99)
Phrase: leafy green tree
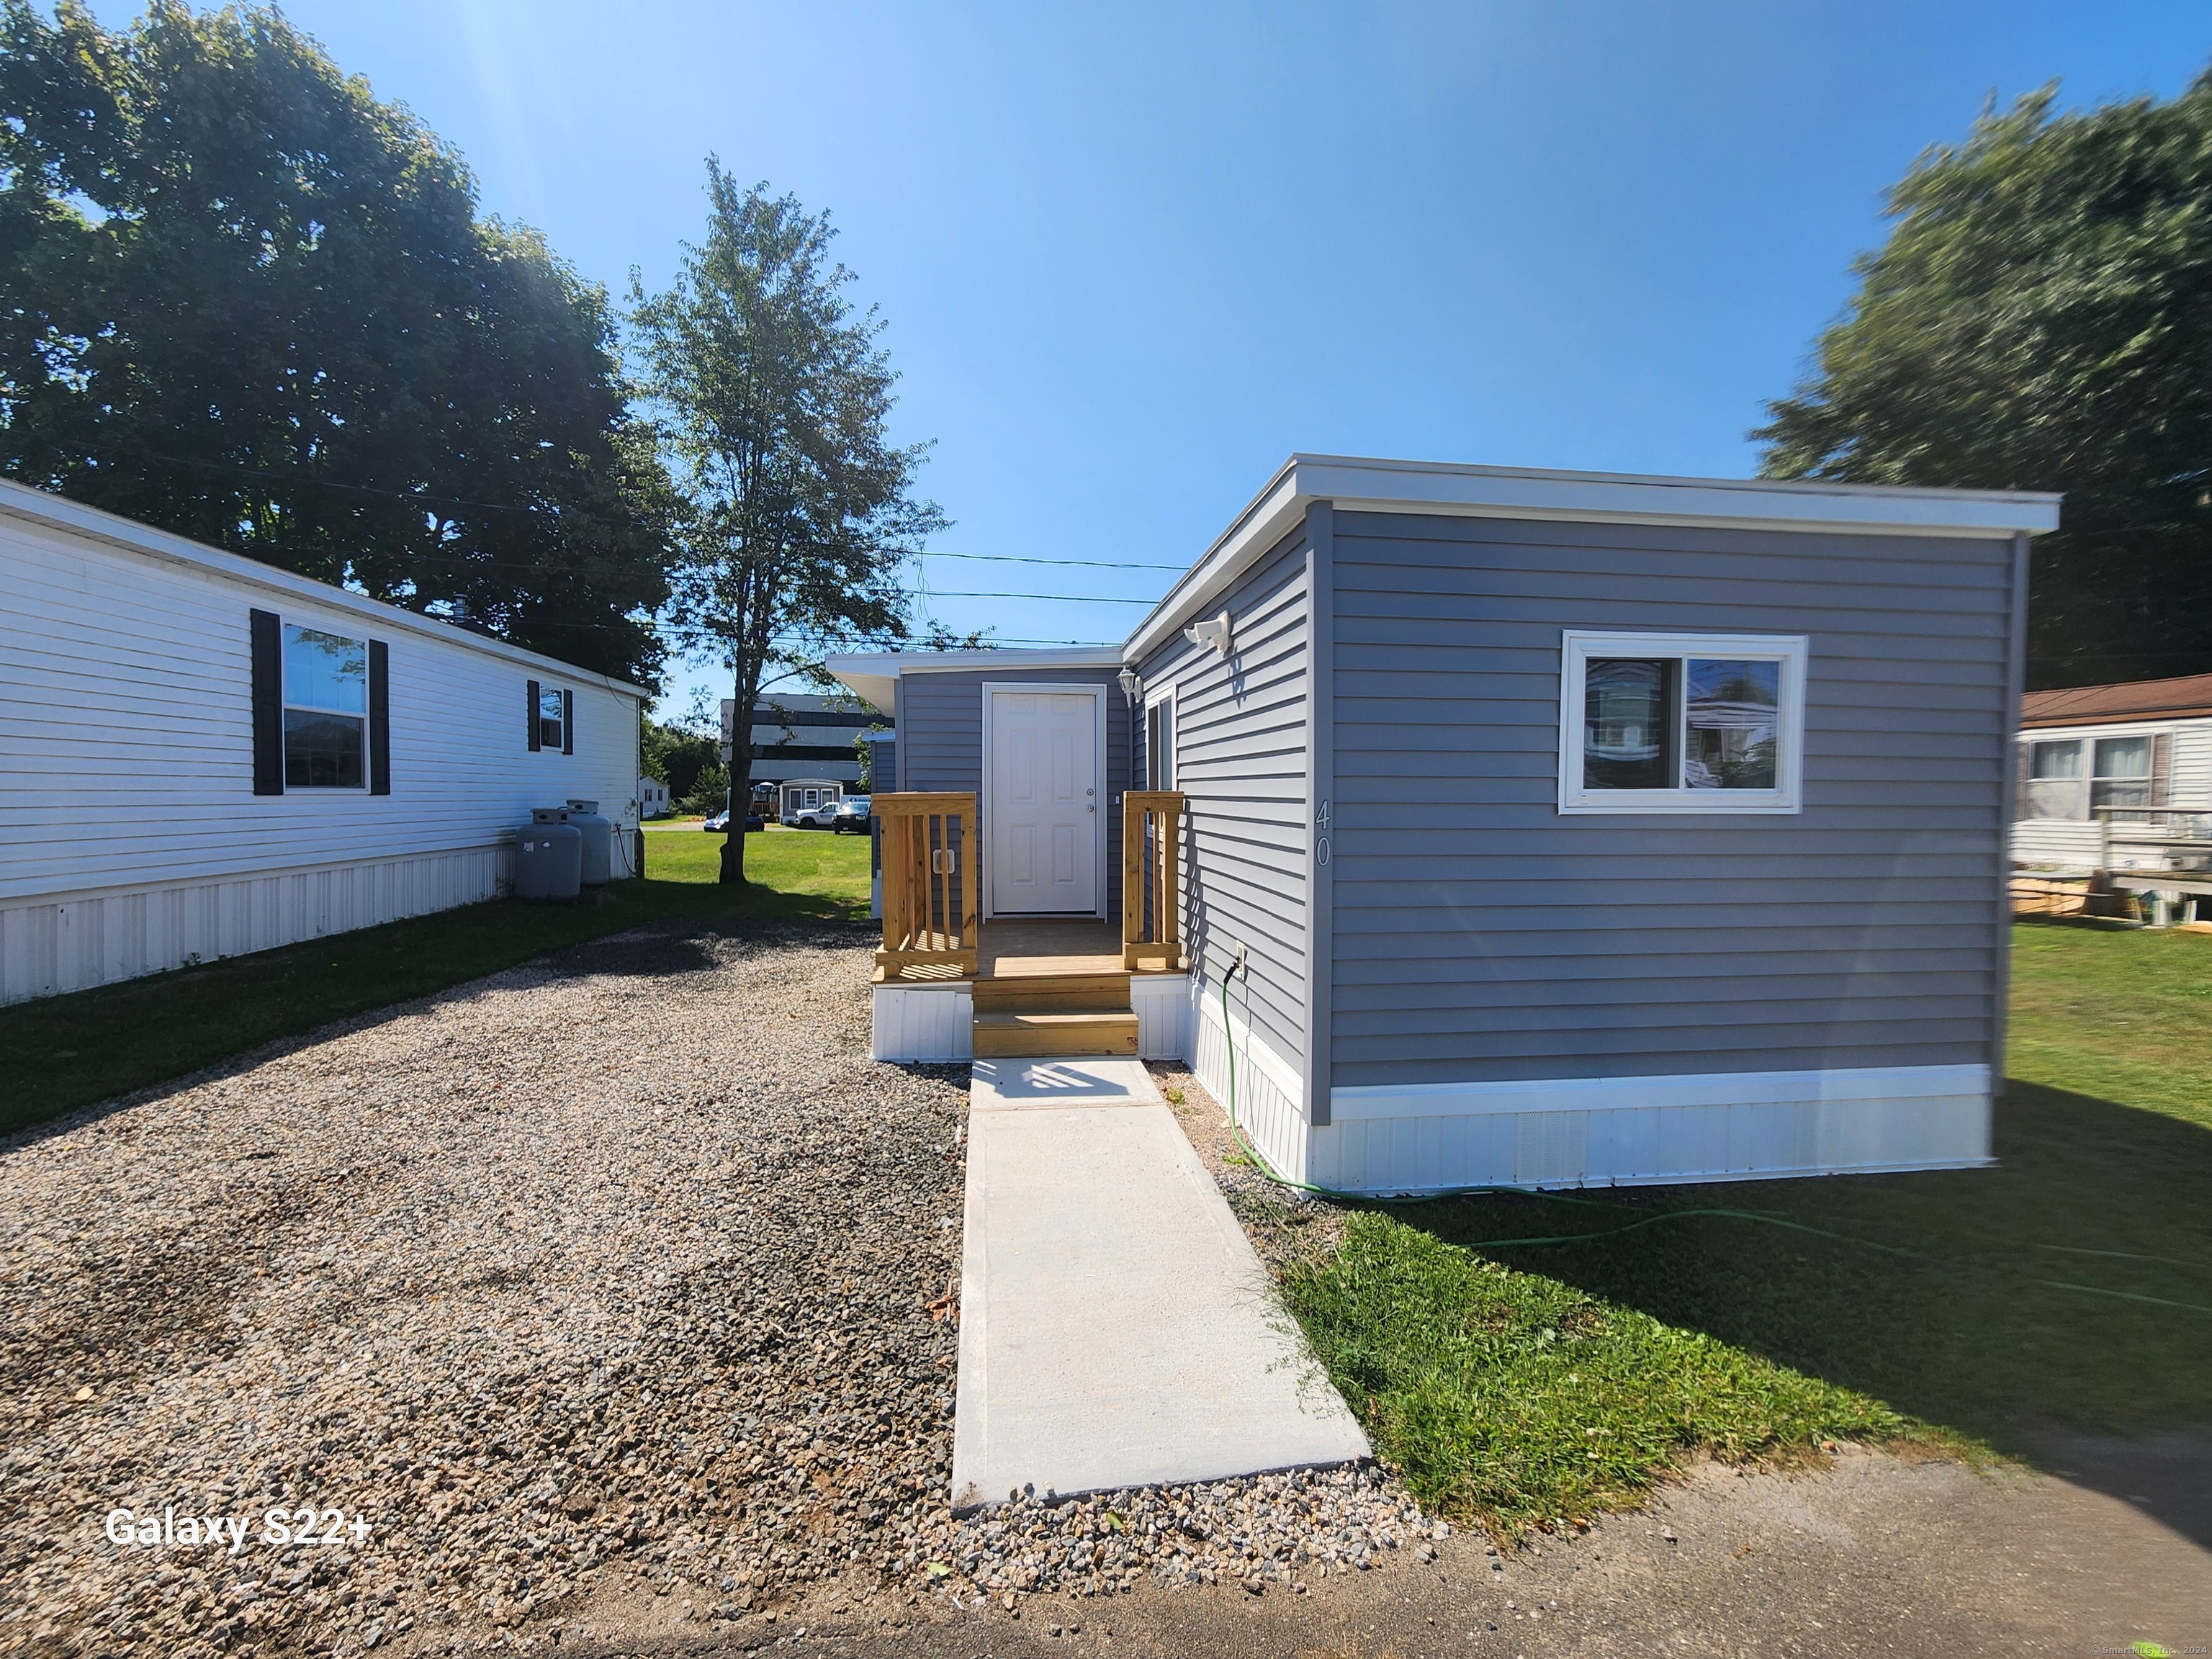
(677,757)
(247,302)
(2041,318)
(709,792)
(772,397)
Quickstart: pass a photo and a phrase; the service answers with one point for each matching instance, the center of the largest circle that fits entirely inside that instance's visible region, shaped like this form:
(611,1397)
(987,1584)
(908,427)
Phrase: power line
(1058,599)
(1019,558)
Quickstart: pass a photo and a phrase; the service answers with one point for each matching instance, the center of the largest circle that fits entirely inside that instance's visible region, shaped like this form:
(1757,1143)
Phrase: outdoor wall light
(1214,633)
(1131,686)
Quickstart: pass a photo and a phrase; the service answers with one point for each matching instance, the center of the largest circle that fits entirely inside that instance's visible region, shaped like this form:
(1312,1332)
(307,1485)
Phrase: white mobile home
(2117,779)
(1544,829)
(201,755)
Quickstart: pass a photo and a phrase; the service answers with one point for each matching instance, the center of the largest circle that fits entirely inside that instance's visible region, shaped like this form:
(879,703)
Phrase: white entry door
(1041,829)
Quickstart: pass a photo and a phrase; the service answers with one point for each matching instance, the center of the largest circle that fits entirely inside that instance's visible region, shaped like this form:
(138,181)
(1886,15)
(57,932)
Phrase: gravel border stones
(618,1292)
(623,1261)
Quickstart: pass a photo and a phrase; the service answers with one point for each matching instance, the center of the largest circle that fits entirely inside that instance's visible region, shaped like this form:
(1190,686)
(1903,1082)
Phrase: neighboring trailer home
(201,755)
(2117,779)
(1569,829)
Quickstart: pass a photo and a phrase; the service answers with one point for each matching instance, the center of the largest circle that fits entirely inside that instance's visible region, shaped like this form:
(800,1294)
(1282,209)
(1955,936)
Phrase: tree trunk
(741,782)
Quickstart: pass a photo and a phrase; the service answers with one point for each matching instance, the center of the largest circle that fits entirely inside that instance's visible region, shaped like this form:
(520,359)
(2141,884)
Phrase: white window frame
(286,626)
(1165,695)
(561,744)
(1578,647)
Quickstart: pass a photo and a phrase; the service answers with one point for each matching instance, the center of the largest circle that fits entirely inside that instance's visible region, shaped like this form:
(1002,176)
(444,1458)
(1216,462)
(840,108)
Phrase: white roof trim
(875,676)
(1385,486)
(21,501)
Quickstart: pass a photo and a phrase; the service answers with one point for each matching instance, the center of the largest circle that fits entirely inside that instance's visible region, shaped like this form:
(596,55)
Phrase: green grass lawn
(63,1052)
(2069,1288)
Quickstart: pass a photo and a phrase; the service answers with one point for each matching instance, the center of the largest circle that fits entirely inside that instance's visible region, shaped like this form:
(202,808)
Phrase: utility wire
(1060,598)
(1020,558)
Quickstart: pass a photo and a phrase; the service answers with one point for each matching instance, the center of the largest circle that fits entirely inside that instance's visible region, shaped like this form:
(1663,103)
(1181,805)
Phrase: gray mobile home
(1544,829)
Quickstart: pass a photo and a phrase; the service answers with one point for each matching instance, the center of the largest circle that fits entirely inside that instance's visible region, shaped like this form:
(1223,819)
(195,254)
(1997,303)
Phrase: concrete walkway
(1116,1328)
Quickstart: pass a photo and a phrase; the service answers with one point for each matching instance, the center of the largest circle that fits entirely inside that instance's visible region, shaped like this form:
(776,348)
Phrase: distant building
(652,799)
(2116,777)
(809,736)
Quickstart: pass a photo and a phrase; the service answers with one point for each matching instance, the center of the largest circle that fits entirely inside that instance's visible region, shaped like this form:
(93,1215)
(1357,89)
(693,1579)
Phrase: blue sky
(1133,255)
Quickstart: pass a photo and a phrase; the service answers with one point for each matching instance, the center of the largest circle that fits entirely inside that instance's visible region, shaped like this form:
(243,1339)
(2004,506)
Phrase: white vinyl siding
(2055,830)
(126,742)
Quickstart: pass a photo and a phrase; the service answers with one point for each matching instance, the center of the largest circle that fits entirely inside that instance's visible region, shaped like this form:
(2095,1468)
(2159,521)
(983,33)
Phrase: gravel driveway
(626,1259)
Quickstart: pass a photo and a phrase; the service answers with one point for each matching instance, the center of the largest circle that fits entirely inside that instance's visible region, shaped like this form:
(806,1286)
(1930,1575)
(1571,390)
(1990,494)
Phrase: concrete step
(1054,993)
(1003,1035)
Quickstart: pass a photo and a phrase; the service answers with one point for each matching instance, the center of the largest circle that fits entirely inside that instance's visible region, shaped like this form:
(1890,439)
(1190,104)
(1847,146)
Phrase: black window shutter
(531,689)
(268,703)
(379,717)
(568,722)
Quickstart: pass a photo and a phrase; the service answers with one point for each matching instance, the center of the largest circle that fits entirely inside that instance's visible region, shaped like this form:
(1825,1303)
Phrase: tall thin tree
(772,396)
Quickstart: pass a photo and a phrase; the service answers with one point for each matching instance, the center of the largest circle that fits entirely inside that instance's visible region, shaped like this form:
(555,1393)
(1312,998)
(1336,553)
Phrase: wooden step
(1005,1035)
(1054,993)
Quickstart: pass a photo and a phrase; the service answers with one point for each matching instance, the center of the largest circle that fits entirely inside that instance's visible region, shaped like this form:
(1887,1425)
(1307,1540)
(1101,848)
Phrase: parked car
(821,817)
(852,815)
(717,825)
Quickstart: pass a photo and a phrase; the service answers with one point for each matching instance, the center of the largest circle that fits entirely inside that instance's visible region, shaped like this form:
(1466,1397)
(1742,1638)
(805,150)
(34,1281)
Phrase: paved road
(1874,1556)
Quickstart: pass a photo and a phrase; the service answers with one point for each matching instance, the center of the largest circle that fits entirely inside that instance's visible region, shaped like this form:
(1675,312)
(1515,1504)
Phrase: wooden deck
(1020,949)
(1038,986)
(1011,949)
(1046,989)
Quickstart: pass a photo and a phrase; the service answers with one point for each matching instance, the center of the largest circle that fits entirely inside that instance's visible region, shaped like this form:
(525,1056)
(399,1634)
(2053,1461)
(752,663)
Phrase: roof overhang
(875,676)
(19,501)
(1355,485)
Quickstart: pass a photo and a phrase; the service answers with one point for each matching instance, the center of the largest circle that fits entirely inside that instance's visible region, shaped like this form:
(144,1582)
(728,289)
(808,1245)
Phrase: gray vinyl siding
(1241,764)
(940,742)
(1481,935)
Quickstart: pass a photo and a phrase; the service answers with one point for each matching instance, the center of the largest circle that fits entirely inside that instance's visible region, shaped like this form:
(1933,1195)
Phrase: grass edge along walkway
(1969,1313)
(60,1053)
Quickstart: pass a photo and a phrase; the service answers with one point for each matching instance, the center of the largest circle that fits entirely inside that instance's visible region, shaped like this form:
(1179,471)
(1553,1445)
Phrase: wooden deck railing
(931,895)
(1151,879)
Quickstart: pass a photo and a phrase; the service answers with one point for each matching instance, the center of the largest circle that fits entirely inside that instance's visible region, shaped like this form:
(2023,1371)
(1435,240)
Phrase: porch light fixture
(1131,686)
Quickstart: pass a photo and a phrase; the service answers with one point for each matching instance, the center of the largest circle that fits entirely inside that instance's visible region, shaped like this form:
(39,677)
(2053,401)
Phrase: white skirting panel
(75,941)
(1270,1096)
(1161,1004)
(924,1021)
(937,1021)
(1635,1131)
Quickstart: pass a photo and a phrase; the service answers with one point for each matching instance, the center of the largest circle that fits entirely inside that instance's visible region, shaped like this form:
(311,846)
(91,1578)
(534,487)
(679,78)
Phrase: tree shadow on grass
(139,1041)
(2065,1293)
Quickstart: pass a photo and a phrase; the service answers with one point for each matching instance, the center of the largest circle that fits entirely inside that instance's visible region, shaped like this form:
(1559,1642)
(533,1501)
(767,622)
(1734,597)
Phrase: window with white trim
(1159,742)
(2083,778)
(325,710)
(552,717)
(1681,722)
